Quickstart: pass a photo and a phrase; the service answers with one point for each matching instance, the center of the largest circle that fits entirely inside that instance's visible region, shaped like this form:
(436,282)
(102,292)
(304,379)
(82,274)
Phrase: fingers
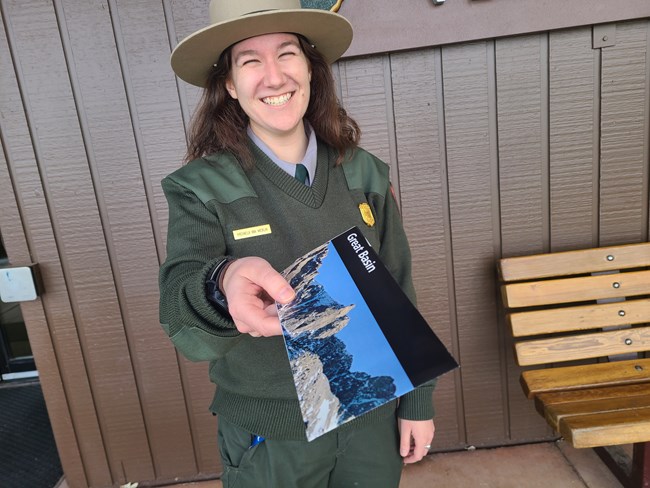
(415,439)
(404,439)
(259,273)
(252,286)
(250,314)
(256,274)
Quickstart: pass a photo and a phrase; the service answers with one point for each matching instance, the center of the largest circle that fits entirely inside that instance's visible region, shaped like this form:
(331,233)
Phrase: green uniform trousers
(361,458)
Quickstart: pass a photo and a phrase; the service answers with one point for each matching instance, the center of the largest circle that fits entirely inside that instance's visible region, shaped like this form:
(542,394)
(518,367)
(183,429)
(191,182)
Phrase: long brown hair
(219,123)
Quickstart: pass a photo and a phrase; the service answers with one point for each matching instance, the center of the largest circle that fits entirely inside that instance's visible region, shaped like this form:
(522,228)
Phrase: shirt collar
(308,160)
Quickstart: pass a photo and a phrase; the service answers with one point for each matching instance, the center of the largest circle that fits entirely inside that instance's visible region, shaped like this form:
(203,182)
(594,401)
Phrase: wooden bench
(582,319)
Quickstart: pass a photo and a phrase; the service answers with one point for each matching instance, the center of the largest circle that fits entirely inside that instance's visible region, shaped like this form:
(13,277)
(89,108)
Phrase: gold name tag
(260,230)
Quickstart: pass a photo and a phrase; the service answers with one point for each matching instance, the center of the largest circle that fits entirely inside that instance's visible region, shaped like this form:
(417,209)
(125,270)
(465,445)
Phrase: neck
(290,147)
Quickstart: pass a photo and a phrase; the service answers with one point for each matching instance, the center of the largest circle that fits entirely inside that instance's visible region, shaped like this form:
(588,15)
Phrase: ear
(230,87)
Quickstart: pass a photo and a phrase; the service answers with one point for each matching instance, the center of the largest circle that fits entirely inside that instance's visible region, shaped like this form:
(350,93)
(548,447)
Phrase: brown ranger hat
(232,21)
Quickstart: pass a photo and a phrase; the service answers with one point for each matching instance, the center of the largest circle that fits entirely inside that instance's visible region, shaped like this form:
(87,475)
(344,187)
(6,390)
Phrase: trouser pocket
(236,455)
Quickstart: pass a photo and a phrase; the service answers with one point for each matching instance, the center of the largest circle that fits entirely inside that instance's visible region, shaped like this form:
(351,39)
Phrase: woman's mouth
(279,100)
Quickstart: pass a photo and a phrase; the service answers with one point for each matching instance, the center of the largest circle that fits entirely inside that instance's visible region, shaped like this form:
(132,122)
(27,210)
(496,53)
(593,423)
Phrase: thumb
(274,284)
(278,288)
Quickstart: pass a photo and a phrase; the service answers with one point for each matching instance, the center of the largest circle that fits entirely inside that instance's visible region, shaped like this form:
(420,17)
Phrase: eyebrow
(253,52)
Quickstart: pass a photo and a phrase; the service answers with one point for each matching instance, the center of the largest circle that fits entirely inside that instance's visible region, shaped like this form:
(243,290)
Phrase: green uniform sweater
(211,200)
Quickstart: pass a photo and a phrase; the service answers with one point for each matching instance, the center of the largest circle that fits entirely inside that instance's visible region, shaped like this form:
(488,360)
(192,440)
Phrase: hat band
(259,11)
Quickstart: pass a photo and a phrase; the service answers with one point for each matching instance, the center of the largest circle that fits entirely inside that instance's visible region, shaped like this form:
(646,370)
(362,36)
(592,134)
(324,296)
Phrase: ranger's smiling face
(270,78)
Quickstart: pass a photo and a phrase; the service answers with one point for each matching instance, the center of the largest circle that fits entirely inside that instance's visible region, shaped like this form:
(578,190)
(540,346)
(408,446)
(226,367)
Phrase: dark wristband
(213,284)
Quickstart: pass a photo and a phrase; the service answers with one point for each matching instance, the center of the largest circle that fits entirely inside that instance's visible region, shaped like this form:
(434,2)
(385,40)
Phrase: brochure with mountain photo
(354,339)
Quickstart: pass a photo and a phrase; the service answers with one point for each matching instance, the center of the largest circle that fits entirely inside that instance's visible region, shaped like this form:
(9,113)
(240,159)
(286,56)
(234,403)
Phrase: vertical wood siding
(522,118)
(470,116)
(574,134)
(417,94)
(497,148)
(623,132)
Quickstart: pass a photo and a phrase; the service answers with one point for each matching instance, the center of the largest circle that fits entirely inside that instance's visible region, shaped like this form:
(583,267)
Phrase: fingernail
(286,295)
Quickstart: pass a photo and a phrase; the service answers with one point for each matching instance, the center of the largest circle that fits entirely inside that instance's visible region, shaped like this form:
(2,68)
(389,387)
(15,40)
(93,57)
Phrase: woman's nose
(273,75)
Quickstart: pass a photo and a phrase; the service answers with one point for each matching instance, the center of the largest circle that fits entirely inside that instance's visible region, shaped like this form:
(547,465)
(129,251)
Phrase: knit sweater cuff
(417,404)
(208,309)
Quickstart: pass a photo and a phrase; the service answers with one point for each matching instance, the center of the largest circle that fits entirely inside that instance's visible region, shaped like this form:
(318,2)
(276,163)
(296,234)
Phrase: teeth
(277,100)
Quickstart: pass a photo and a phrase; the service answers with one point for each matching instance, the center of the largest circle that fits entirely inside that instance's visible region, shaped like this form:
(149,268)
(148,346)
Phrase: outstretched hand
(252,287)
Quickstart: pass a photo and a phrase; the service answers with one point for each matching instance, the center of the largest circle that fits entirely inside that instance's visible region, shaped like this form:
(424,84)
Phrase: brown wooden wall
(497,147)
(393,25)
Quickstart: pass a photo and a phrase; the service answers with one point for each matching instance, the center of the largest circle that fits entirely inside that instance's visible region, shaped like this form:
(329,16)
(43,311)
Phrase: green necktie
(301,173)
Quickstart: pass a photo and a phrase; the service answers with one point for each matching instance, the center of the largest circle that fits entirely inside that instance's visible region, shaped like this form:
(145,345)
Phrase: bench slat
(546,400)
(574,262)
(615,373)
(581,289)
(561,397)
(607,429)
(583,346)
(583,317)
(554,414)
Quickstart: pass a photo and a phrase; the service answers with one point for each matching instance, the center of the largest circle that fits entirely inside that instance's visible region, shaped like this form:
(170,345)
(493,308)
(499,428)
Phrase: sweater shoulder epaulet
(367,173)
(218,176)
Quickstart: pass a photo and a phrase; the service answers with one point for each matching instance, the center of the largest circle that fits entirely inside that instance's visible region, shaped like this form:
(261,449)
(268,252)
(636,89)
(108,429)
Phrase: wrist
(222,273)
(214,284)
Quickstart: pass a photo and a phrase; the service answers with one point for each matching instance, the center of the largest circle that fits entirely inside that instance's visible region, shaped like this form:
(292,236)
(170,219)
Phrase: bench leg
(641,465)
(632,473)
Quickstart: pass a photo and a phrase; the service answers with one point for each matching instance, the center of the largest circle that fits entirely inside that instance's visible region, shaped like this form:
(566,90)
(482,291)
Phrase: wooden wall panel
(471,159)
(522,95)
(69,188)
(17,154)
(153,101)
(108,123)
(24,156)
(198,396)
(417,92)
(366,95)
(573,139)
(624,129)
(183,18)
(522,91)
(392,25)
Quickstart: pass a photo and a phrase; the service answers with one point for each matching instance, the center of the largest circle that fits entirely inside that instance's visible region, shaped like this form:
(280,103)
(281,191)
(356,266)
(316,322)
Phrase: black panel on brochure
(422,355)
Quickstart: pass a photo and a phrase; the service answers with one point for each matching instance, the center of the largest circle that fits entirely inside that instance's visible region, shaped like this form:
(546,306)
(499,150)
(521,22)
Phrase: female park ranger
(274,170)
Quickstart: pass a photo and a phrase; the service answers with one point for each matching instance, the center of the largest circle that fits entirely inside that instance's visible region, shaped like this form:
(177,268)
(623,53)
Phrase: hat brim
(195,55)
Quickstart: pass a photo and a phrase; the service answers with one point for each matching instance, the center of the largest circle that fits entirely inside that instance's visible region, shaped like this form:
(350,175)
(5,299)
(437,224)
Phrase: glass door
(16,359)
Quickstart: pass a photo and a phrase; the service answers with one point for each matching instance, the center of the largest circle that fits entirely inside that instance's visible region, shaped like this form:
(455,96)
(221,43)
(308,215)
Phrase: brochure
(354,339)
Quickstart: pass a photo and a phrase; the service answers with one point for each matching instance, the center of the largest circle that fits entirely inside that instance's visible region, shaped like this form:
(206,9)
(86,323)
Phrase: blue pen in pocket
(255,440)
